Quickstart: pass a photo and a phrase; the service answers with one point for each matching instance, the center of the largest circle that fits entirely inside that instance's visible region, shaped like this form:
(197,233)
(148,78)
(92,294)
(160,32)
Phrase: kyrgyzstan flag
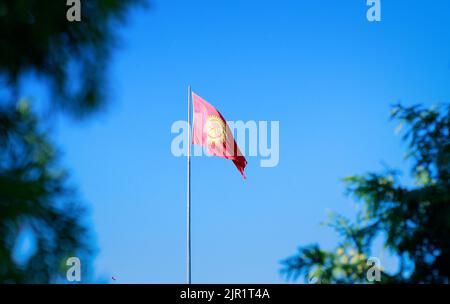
(211,131)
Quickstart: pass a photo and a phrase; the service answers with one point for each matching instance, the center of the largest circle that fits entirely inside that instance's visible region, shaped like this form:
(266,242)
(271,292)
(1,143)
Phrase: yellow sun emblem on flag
(215,130)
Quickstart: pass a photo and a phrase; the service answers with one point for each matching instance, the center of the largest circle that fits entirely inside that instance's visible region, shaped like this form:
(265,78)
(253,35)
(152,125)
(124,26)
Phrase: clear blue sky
(319,67)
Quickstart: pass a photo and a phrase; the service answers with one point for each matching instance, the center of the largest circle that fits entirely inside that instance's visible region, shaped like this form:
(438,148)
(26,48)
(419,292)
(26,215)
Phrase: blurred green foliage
(35,196)
(36,199)
(72,57)
(413,221)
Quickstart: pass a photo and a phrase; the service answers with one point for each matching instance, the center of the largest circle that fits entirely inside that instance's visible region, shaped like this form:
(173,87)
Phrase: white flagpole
(188,197)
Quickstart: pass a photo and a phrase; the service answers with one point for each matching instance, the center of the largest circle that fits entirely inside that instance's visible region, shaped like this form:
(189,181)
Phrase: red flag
(211,131)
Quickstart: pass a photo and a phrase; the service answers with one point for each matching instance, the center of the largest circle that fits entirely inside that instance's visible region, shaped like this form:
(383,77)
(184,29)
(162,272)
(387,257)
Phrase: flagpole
(188,196)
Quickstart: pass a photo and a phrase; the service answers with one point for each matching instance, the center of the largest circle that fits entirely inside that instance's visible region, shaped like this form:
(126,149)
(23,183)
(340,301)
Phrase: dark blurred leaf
(72,57)
(34,193)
